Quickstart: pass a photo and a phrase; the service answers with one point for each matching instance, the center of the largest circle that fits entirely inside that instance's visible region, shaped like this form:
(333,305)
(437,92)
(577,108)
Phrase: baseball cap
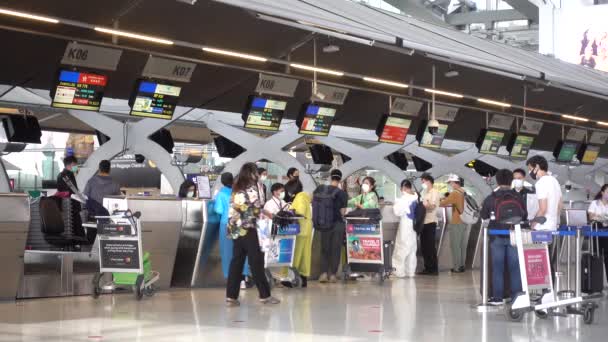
(453,178)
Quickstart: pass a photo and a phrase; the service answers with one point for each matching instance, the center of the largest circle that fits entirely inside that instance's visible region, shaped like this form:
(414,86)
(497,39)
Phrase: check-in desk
(14,223)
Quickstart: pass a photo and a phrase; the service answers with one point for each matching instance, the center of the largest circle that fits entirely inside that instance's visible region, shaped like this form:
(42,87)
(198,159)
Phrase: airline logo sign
(91,56)
(168,69)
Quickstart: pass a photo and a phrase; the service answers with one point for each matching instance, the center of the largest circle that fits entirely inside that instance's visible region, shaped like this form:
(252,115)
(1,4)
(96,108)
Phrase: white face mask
(365,188)
(281,195)
(517,183)
(425,186)
(263,178)
(190,194)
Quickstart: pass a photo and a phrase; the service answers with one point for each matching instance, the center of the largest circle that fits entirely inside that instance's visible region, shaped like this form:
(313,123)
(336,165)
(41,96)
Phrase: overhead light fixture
(575,118)
(602,123)
(495,103)
(134,35)
(452,73)
(235,54)
(441,92)
(331,48)
(385,82)
(321,70)
(28,16)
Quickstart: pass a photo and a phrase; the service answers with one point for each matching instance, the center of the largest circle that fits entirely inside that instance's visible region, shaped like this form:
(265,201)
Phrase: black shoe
(461,269)
(495,302)
(304,281)
(429,273)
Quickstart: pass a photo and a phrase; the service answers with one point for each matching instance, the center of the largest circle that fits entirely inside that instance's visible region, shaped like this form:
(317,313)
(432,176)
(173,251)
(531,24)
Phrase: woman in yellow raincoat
(301,205)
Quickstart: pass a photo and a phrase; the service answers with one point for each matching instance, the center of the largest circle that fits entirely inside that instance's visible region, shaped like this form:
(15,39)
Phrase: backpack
(419,215)
(470,214)
(508,206)
(323,208)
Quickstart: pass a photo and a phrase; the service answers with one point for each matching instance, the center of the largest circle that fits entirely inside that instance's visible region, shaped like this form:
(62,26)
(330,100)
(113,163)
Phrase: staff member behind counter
(66,181)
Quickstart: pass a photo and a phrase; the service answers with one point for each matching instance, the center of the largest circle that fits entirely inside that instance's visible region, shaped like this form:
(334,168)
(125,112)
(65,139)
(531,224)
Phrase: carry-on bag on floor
(592,266)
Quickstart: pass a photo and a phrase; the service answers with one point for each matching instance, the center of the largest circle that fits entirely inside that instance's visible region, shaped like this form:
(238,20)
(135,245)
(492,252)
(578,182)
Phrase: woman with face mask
(302,256)
(368,199)
(404,256)
(598,211)
(187,189)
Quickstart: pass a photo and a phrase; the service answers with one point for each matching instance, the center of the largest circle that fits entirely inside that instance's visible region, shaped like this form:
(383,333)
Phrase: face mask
(365,188)
(518,183)
(282,195)
(74,168)
(533,174)
(190,194)
(424,186)
(404,193)
(263,178)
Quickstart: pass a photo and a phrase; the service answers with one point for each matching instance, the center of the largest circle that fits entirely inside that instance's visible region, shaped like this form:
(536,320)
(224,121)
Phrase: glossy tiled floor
(424,309)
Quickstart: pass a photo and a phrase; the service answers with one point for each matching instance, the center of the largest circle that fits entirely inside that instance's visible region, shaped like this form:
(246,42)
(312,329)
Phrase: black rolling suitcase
(389,247)
(592,267)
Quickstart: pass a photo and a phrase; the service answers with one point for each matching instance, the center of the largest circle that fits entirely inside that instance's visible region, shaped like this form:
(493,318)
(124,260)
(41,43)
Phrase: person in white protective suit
(404,256)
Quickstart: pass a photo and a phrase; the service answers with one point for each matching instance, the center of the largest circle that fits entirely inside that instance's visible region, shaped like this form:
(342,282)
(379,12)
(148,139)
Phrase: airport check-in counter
(14,224)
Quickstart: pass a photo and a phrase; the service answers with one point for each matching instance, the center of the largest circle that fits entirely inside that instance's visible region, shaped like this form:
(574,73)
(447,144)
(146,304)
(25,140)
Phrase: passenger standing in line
(503,204)
(67,176)
(406,242)
(548,193)
(302,257)
(598,211)
(99,187)
(222,207)
(456,228)
(519,180)
(368,199)
(276,202)
(330,203)
(430,200)
(246,208)
(292,174)
(263,177)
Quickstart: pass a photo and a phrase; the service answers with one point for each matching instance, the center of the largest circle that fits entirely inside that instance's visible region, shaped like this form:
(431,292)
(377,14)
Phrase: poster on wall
(580,36)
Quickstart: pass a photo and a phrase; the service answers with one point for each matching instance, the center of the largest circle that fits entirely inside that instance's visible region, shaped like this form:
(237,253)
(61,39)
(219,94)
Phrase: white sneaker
(243,285)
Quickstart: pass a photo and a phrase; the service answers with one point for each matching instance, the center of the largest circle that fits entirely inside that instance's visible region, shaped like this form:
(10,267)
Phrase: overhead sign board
(406,107)
(445,113)
(530,127)
(168,69)
(330,94)
(91,56)
(576,134)
(598,138)
(275,85)
(501,121)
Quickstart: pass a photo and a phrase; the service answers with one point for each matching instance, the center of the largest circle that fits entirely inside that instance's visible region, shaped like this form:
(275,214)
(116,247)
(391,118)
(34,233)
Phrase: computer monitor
(489,141)
(519,146)
(316,119)
(393,129)
(152,99)
(264,113)
(78,90)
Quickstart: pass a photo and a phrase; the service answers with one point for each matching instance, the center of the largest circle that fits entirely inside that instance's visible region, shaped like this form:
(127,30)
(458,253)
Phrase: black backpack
(419,215)
(323,208)
(508,205)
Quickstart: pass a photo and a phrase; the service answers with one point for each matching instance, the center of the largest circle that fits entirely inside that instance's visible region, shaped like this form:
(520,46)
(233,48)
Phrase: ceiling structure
(404,50)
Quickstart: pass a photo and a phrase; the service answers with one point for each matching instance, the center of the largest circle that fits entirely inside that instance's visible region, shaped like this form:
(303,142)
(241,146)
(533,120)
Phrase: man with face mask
(548,193)
(66,181)
(276,203)
(456,228)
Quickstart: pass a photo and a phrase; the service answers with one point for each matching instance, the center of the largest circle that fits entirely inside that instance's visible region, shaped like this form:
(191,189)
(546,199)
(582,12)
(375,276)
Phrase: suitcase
(592,268)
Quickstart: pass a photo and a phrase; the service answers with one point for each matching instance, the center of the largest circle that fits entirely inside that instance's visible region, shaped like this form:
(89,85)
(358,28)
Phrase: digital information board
(395,130)
(155,100)
(522,146)
(434,141)
(265,114)
(567,152)
(316,120)
(491,142)
(591,154)
(79,90)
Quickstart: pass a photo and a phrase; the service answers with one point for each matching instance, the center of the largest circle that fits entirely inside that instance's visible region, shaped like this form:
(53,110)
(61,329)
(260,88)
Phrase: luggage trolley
(365,248)
(278,242)
(535,271)
(120,253)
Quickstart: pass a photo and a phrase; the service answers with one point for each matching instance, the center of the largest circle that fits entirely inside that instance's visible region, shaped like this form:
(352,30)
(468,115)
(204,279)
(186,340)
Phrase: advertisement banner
(364,249)
(280,252)
(538,269)
(363,229)
(119,254)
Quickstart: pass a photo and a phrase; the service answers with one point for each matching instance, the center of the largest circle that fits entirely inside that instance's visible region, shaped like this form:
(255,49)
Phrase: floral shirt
(245,209)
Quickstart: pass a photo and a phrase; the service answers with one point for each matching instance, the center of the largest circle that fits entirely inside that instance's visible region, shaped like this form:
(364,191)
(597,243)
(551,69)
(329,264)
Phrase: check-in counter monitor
(14,224)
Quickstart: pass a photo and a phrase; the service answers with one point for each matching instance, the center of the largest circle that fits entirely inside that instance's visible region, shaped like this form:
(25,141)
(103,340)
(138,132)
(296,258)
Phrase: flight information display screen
(395,130)
(264,113)
(316,119)
(79,90)
(521,146)
(567,152)
(491,142)
(591,154)
(434,141)
(155,100)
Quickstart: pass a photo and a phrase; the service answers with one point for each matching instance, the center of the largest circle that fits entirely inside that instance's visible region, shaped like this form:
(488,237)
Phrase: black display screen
(316,119)
(264,113)
(155,100)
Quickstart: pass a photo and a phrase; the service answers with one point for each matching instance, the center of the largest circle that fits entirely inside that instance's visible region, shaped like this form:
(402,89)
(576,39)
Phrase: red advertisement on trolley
(537,267)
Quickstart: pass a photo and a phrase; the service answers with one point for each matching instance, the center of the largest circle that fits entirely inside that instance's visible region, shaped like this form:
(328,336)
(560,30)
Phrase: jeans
(428,247)
(247,246)
(458,243)
(331,248)
(501,249)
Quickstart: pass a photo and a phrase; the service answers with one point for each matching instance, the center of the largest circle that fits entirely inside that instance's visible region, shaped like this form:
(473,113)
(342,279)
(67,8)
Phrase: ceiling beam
(416,9)
(467,18)
(526,7)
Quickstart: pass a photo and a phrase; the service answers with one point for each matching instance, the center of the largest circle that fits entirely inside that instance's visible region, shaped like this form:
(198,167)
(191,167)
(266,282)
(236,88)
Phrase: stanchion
(484,306)
(577,266)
